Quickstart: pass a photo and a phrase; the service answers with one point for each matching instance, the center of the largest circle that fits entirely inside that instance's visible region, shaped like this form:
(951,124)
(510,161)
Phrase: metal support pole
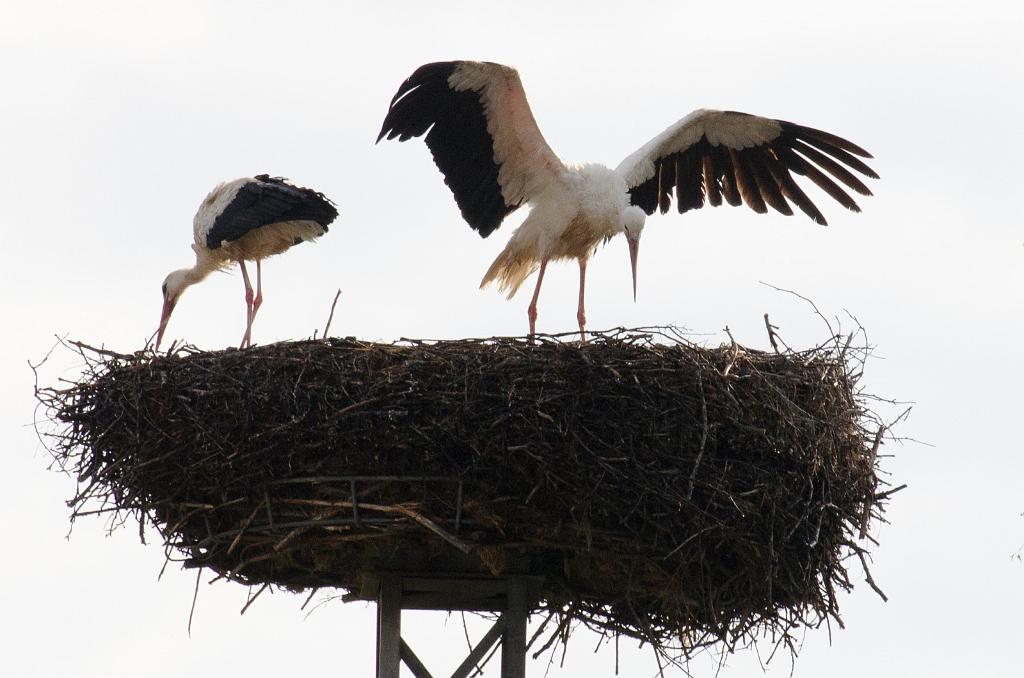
(389,626)
(513,642)
(469,664)
(397,591)
(413,662)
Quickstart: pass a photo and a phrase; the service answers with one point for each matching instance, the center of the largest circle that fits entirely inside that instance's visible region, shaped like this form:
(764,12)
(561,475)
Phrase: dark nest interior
(649,487)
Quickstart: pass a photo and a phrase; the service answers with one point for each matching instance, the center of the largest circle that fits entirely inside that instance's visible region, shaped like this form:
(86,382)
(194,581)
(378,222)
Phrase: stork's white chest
(598,198)
(573,216)
(600,194)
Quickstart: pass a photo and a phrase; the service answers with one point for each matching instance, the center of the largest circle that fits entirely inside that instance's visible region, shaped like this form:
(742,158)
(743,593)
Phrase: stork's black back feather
(268,200)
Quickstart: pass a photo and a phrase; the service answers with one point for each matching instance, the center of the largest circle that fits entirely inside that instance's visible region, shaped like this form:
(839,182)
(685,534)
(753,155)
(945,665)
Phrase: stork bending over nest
(251,218)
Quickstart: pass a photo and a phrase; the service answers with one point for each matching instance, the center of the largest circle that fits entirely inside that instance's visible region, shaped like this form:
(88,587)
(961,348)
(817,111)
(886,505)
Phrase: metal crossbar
(338,479)
(353,482)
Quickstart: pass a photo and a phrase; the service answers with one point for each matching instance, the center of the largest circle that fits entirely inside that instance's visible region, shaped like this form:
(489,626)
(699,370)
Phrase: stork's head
(174,284)
(632,219)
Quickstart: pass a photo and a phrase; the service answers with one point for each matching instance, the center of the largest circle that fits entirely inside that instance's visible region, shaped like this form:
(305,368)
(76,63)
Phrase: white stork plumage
(248,219)
(485,141)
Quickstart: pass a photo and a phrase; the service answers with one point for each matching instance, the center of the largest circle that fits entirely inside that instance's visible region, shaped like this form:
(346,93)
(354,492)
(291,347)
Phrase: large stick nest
(653,488)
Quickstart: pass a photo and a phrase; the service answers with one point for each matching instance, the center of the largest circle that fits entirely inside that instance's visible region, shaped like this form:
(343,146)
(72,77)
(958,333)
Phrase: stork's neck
(204,266)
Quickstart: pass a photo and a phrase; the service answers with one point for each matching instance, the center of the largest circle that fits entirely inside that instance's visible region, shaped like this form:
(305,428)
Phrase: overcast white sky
(116,118)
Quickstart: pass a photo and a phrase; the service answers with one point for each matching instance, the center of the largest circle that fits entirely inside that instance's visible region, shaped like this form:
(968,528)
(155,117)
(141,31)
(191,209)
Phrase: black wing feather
(458,140)
(724,161)
(268,200)
(712,180)
(689,181)
(771,192)
(758,176)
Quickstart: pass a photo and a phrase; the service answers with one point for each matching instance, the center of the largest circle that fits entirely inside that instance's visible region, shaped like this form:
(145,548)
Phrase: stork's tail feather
(510,269)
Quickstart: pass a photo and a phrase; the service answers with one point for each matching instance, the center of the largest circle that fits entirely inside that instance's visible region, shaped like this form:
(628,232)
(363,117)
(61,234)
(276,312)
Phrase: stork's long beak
(634,248)
(165,315)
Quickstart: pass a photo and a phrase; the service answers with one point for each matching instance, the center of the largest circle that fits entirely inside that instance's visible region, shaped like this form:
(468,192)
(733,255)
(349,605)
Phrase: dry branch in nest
(668,492)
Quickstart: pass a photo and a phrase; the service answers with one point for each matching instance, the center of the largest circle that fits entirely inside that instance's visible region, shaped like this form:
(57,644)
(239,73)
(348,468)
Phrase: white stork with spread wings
(485,141)
(251,218)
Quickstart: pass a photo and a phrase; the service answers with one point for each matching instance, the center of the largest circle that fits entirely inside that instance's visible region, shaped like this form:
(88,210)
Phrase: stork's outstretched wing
(745,159)
(481,133)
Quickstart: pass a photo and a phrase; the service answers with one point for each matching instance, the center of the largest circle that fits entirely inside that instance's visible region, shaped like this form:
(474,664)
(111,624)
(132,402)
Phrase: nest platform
(643,485)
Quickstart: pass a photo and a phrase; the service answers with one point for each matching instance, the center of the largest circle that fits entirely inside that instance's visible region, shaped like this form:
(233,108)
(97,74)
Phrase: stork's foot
(531,313)
(581,318)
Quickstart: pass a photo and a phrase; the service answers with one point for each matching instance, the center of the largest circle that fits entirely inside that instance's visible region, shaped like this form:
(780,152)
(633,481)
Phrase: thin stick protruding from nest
(773,334)
(867,576)
(871,459)
(252,599)
(195,596)
(334,303)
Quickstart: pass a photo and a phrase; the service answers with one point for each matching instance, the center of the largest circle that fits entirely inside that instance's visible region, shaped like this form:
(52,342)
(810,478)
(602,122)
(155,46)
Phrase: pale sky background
(116,118)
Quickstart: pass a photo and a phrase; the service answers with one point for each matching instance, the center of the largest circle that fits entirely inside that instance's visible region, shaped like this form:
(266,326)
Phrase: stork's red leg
(258,300)
(531,312)
(248,305)
(581,315)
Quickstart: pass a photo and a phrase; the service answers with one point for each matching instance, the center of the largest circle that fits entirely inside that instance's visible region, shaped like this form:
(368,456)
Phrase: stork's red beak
(165,315)
(634,248)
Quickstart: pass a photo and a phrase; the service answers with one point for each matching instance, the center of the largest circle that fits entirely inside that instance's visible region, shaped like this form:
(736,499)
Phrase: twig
(245,526)
(867,576)
(309,598)
(703,438)
(195,595)
(772,336)
(331,316)
(868,503)
(735,353)
(253,598)
(832,332)
(101,351)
